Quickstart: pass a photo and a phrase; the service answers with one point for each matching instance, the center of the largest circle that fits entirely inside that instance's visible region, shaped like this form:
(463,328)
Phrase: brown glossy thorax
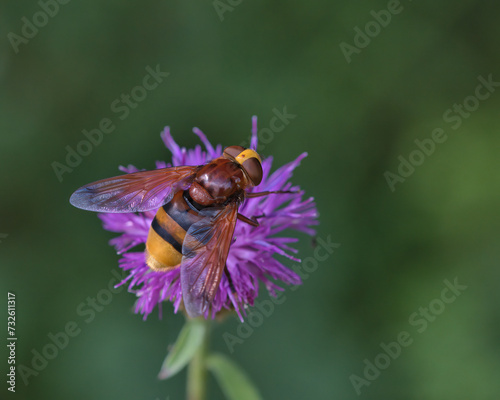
(217,181)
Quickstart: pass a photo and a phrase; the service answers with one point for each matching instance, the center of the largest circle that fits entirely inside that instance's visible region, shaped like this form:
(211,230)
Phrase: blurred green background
(355,119)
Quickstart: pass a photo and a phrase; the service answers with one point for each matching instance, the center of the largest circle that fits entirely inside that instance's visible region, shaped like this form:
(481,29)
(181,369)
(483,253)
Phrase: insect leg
(249,221)
(260,194)
(230,280)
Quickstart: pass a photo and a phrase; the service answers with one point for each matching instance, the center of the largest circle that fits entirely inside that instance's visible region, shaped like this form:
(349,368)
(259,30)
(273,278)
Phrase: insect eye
(253,168)
(233,151)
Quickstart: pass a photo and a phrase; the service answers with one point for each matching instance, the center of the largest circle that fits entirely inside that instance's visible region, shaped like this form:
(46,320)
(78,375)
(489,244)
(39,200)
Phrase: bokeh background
(227,63)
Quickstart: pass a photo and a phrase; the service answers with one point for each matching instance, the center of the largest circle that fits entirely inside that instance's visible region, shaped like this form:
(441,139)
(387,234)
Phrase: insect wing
(139,191)
(205,250)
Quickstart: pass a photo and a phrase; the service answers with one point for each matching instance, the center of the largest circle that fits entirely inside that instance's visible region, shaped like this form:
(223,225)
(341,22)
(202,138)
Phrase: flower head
(251,255)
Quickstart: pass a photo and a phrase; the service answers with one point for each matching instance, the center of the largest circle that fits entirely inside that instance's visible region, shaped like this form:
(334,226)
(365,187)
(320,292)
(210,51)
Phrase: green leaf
(183,350)
(233,381)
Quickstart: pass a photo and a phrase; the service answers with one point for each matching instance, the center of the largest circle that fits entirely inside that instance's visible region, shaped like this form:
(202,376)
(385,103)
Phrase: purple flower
(251,256)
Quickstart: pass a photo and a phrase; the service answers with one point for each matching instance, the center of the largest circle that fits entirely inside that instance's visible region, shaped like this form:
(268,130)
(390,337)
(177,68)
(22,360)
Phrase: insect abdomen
(167,233)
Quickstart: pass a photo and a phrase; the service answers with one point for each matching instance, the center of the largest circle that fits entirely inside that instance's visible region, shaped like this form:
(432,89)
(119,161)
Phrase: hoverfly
(197,212)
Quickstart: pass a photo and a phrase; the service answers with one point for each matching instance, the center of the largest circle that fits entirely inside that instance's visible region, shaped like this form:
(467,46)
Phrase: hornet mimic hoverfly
(197,212)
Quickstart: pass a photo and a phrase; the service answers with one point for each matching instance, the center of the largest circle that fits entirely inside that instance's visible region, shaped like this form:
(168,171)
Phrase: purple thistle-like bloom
(251,255)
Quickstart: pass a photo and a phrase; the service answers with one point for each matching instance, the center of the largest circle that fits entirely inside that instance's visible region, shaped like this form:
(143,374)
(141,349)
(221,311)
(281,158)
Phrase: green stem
(197,371)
